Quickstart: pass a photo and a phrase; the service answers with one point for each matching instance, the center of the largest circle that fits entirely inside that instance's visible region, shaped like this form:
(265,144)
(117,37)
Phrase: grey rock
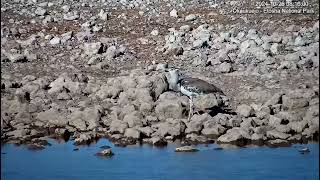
(274,134)
(195,138)
(85,120)
(157,141)
(186,149)
(52,116)
(40,11)
(245,110)
(207,101)
(92,48)
(105,153)
(212,129)
(19,133)
(298,126)
(274,121)
(118,126)
(278,143)
(274,48)
(169,109)
(66,36)
(70,16)
(196,123)
(234,135)
(64,96)
(147,131)
(299,41)
(190,17)
(83,139)
(107,91)
(133,119)
(292,103)
(15,57)
(154,32)
(275,99)
(103,15)
(132,133)
(173,13)
(224,67)
(257,138)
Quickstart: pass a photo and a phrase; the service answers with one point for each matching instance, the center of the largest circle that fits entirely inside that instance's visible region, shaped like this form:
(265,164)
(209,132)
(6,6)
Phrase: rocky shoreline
(74,79)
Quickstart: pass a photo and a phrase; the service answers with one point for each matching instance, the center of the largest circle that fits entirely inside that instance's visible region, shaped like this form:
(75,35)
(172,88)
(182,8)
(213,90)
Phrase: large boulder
(132,133)
(134,119)
(212,129)
(168,108)
(274,134)
(146,131)
(235,135)
(18,133)
(87,119)
(207,101)
(85,138)
(298,98)
(118,126)
(159,85)
(196,123)
(53,117)
(107,91)
(245,110)
(64,82)
(173,127)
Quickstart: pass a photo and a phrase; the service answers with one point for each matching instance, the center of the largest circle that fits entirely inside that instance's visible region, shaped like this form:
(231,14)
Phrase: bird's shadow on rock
(216,110)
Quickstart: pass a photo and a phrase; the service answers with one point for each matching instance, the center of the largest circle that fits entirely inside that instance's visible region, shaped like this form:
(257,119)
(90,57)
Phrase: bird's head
(173,78)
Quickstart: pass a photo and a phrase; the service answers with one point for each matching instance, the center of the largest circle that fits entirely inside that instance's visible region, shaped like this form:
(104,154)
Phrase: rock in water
(105,153)
(304,150)
(186,149)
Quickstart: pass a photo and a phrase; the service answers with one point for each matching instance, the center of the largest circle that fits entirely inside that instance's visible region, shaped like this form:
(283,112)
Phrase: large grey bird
(190,87)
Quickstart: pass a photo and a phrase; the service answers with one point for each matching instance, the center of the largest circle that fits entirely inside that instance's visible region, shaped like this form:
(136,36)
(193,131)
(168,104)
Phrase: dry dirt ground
(131,27)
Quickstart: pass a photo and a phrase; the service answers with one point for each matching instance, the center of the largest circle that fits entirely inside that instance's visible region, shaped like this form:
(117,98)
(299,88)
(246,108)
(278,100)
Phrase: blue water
(59,161)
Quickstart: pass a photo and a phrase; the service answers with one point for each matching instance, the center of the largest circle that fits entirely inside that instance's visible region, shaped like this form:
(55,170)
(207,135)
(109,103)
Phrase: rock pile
(140,108)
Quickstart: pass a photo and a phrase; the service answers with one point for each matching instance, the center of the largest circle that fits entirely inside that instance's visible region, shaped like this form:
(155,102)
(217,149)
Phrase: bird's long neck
(173,82)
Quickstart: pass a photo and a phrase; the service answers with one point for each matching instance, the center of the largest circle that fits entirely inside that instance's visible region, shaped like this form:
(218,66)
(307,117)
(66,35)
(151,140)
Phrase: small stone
(299,41)
(105,153)
(103,15)
(35,147)
(304,150)
(154,32)
(174,13)
(162,67)
(66,8)
(274,48)
(190,17)
(55,40)
(40,11)
(224,67)
(66,36)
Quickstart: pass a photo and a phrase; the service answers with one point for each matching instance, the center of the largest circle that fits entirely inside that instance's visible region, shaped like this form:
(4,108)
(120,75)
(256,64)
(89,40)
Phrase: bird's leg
(191,108)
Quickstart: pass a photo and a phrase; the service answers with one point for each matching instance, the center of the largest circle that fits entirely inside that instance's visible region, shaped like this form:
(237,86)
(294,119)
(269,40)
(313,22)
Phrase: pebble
(190,17)
(40,11)
(55,40)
